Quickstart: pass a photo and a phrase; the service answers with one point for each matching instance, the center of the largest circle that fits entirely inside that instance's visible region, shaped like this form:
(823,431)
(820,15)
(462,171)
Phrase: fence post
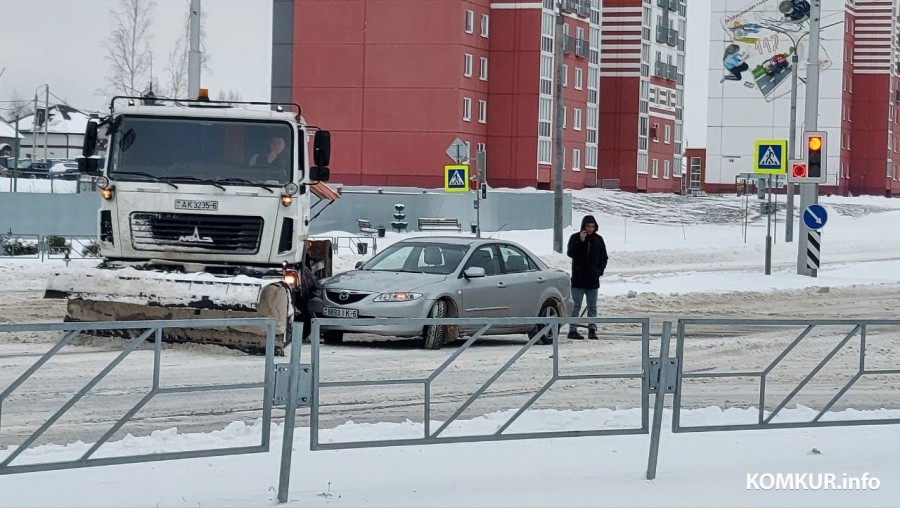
(660,400)
(290,415)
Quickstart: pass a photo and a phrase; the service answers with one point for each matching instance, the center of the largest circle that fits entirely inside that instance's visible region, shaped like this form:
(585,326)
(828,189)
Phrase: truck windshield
(224,152)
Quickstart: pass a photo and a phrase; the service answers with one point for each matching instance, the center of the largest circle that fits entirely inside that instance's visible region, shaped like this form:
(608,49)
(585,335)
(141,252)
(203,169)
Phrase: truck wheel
(435,335)
(332,337)
(549,310)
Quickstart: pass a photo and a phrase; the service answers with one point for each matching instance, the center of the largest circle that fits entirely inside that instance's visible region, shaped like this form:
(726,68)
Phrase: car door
(484,297)
(521,277)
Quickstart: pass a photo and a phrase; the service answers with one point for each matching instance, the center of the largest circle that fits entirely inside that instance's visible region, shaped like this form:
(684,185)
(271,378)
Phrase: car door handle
(541,280)
(501,285)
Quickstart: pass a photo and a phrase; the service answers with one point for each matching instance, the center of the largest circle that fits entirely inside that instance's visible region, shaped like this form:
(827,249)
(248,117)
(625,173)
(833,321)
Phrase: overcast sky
(62,43)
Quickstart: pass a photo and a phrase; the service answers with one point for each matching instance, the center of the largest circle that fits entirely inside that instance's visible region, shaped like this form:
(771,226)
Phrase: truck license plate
(184,204)
(340,313)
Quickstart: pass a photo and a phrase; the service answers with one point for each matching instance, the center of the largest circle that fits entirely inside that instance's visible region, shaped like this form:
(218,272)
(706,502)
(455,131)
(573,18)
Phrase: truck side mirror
(87,164)
(319,173)
(90,140)
(322,148)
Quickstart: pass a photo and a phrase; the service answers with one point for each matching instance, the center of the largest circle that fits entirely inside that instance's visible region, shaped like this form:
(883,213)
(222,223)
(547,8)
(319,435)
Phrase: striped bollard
(813,249)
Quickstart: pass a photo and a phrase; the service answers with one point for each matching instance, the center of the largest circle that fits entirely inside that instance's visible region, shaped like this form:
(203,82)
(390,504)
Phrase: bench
(365,227)
(439,223)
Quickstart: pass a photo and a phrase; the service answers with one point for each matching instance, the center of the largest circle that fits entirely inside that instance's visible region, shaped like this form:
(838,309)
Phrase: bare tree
(18,107)
(230,95)
(129,51)
(178,58)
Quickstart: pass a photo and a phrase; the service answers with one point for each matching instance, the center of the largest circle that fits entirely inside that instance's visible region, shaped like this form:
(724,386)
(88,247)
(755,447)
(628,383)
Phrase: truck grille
(194,232)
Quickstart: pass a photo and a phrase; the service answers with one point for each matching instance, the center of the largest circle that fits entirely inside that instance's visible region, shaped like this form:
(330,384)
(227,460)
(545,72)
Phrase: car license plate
(340,313)
(184,204)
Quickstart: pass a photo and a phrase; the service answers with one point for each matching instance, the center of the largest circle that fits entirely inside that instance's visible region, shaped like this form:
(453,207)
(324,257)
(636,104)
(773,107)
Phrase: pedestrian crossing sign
(456,178)
(771,157)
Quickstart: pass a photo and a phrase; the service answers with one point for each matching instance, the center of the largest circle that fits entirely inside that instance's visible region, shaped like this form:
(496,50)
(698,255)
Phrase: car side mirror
(358,265)
(474,272)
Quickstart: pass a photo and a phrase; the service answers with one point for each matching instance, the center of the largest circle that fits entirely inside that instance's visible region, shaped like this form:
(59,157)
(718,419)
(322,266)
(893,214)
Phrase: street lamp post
(792,140)
(558,152)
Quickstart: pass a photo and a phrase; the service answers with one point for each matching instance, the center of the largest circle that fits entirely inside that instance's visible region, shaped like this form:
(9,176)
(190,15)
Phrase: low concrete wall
(76,214)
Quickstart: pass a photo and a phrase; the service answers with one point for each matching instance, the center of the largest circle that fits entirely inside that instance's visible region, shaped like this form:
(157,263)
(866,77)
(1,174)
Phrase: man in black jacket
(588,252)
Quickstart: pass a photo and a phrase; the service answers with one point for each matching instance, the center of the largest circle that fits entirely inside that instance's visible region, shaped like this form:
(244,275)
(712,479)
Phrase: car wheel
(549,310)
(435,335)
(332,337)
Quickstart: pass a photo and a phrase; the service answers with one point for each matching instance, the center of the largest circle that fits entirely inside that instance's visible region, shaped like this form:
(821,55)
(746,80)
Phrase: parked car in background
(445,277)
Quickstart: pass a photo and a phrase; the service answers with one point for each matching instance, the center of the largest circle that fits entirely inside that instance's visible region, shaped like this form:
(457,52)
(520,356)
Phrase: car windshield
(411,257)
(169,149)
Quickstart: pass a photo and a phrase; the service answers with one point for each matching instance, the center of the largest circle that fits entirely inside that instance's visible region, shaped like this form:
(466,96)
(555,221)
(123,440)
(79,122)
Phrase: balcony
(580,8)
(581,48)
(673,38)
(662,34)
(568,44)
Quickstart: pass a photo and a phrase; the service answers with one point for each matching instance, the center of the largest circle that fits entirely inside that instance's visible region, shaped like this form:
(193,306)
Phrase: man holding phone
(588,252)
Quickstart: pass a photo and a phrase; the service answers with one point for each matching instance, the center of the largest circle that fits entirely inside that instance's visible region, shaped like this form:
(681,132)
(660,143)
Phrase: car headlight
(397,297)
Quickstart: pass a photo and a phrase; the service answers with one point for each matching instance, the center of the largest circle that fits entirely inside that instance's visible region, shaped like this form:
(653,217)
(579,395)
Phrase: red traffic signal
(798,170)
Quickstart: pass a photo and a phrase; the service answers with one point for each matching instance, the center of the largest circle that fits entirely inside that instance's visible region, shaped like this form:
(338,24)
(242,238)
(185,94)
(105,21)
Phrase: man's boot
(574,335)
(592,334)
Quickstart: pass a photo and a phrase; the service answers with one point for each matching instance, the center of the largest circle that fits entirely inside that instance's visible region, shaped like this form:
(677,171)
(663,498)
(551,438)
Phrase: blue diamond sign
(771,157)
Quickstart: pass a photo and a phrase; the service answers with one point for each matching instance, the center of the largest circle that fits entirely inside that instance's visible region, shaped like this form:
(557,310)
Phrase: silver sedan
(444,277)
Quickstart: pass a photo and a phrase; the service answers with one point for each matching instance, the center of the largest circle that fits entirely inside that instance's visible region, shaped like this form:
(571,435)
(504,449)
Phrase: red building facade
(642,94)
(870,163)
(397,81)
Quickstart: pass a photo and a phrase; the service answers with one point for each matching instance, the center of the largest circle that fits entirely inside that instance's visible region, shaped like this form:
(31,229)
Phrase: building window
(544,117)
(467,68)
(565,75)
(482,111)
(467,109)
(470,21)
(668,138)
(654,132)
(481,147)
(544,147)
(576,159)
(576,122)
(655,173)
(667,168)
(482,74)
(653,95)
(564,115)
(485,20)
(579,78)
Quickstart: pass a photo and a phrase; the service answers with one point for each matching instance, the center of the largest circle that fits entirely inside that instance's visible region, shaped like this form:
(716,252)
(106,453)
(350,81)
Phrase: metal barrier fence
(847,327)
(149,330)
(482,326)
(359,245)
(296,384)
(43,247)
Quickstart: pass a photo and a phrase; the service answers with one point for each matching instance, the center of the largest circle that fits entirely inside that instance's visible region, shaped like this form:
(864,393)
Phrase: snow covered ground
(669,256)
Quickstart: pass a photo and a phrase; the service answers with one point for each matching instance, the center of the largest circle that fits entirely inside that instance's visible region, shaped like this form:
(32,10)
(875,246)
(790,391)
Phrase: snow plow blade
(133,295)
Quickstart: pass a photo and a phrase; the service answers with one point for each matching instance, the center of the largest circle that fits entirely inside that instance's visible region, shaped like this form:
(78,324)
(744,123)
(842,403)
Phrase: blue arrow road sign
(815,216)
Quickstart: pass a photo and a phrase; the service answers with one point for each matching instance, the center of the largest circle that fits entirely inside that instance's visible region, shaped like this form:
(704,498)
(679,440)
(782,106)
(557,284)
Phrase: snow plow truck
(204,213)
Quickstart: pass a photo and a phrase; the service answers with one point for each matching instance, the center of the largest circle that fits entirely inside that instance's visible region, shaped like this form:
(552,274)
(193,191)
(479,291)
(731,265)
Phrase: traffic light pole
(792,150)
(809,192)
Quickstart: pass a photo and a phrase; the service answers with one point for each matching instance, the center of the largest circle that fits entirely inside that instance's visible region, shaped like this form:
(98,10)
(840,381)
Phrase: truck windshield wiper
(244,181)
(142,173)
(195,179)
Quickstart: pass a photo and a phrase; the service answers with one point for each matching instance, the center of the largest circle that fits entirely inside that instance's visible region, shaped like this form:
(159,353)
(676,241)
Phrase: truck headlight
(397,297)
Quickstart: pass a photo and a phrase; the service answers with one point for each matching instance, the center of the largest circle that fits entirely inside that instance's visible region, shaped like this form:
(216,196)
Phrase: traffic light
(816,156)
(798,170)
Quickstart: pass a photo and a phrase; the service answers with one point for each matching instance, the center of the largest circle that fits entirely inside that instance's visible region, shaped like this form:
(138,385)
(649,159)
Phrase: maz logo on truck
(195,238)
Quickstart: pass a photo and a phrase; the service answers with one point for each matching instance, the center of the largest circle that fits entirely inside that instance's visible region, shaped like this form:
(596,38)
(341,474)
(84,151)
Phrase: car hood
(382,282)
